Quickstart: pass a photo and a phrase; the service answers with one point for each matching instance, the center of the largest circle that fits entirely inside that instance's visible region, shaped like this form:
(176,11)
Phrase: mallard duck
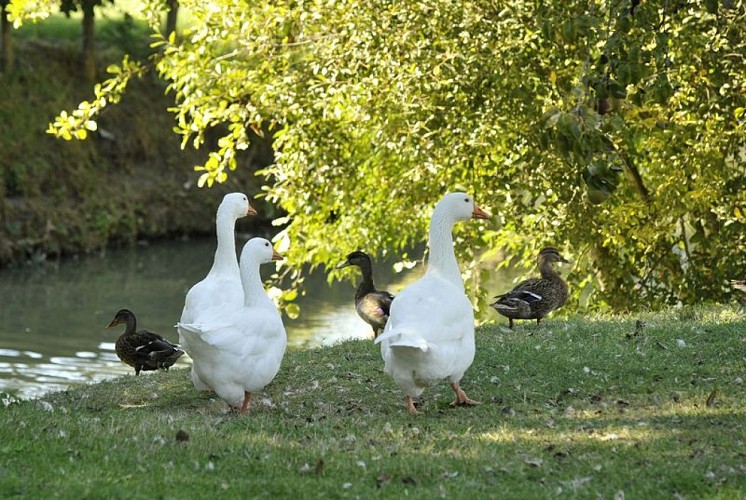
(430,332)
(238,350)
(222,285)
(142,350)
(536,297)
(371,305)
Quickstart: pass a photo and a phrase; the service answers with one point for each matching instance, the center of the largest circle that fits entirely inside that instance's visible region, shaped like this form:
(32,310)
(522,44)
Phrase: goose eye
(466,200)
(266,244)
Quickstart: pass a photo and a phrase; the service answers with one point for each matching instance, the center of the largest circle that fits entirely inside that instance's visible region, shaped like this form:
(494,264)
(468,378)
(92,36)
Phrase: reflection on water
(52,317)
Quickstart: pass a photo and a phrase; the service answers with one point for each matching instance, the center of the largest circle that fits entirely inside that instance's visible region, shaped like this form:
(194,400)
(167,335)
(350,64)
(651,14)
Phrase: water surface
(52,317)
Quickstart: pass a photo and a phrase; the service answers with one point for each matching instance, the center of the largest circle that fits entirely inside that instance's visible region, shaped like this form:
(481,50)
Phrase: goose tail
(189,327)
(402,340)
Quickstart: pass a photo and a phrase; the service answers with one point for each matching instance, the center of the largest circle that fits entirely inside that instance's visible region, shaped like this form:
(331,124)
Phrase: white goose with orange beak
(222,285)
(429,336)
(238,350)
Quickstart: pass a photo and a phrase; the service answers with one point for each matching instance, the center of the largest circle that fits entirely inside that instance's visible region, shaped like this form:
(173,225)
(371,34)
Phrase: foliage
(574,409)
(78,122)
(128,183)
(613,129)
(30,10)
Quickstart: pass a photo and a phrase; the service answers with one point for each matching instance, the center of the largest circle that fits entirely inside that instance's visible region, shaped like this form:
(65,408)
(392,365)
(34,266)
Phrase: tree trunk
(6,59)
(89,53)
(173,12)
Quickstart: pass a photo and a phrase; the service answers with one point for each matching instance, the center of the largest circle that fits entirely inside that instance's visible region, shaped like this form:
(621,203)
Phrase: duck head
(122,316)
(551,255)
(356,258)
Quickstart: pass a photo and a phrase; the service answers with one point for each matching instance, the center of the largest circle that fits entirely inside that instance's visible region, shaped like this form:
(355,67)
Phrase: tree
(6,58)
(172,14)
(614,129)
(89,37)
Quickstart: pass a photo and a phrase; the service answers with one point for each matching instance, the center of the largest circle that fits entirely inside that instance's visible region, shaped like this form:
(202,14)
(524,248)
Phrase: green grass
(119,29)
(119,24)
(580,408)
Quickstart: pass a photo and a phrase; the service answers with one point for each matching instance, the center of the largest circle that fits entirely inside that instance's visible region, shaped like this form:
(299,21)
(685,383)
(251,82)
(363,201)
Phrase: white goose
(430,332)
(238,350)
(222,285)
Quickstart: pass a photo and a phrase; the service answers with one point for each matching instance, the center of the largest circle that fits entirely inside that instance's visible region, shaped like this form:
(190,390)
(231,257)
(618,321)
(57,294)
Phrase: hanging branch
(634,175)
(630,169)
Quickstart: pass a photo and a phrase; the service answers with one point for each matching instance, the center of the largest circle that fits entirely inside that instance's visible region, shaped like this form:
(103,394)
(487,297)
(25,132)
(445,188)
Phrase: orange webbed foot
(410,405)
(461,398)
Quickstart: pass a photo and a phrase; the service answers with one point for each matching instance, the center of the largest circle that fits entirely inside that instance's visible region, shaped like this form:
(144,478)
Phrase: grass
(582,408)
(109,22)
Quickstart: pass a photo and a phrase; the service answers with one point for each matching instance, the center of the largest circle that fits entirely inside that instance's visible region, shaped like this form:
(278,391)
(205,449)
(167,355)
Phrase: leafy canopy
(611,129)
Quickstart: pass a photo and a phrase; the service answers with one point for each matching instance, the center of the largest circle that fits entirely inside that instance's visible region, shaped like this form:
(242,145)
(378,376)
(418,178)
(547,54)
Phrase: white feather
(430,332)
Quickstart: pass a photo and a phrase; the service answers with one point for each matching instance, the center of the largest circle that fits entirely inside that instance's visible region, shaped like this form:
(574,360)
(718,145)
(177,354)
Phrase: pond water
(52,317)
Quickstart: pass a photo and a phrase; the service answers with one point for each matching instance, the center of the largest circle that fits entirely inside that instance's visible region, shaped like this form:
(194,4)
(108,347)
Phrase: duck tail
(501,306)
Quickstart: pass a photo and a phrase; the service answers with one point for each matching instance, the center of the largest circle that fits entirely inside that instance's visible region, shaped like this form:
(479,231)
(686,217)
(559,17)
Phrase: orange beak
(251,211)
(478,213)
(276,255)
(113,323)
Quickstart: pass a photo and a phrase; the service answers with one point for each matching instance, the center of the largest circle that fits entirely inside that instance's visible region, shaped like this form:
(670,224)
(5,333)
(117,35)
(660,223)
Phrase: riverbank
(129,181)
(598,407)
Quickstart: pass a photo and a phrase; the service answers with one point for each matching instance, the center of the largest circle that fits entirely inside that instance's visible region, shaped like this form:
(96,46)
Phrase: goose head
(237,205)
(122,316)
(259,250)
(356,258)
(459,207)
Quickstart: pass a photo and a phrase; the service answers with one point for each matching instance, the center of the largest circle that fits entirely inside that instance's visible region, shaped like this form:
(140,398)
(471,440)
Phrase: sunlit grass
(112,21)
(650,418)
(59,27)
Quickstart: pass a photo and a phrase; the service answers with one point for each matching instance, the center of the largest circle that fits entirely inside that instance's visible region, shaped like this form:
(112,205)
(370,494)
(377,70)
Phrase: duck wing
(375,307)
(150,349)
(528,290)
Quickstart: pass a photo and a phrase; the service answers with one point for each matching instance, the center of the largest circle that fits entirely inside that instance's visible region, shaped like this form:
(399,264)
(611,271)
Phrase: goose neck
(226,261)
(442,258)
(253,288)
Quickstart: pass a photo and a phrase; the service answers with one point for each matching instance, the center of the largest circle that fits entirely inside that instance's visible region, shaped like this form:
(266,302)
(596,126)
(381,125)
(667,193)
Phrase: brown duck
(142,350)
(372,305)
(536,297)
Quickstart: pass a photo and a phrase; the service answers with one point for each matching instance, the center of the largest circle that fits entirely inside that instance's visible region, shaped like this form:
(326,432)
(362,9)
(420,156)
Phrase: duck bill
(276,255)
(342,265)
(112,324)
(251,211)
(478,213)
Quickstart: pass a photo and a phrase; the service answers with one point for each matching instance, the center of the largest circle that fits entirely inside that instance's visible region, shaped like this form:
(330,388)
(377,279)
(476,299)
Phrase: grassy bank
(590,408)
